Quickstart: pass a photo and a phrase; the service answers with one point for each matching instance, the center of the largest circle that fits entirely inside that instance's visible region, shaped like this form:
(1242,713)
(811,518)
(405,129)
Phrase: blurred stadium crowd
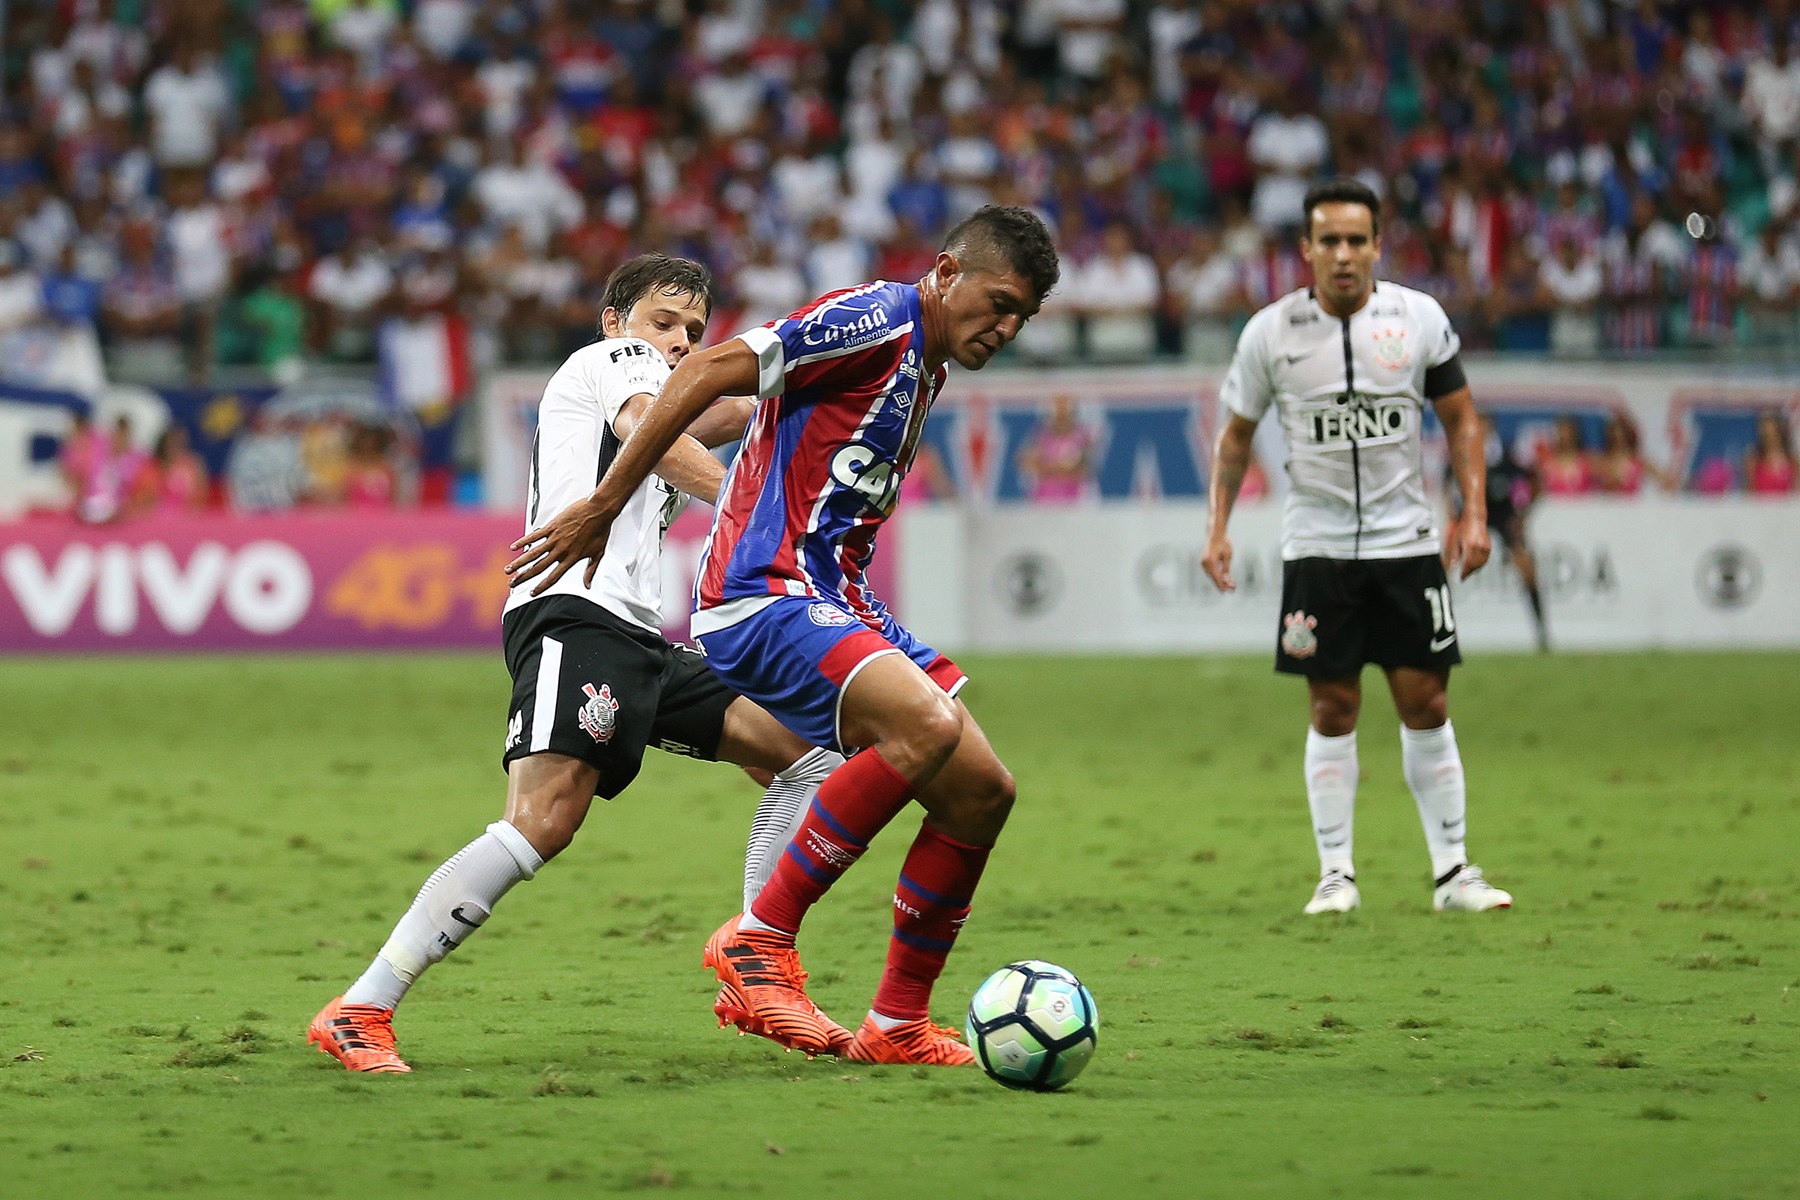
(190,183)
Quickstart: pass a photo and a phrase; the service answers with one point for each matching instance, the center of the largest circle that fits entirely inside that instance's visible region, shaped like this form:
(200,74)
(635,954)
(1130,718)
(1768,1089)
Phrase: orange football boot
(918,1043)
(729,1007)
(764,991)
(360,1036)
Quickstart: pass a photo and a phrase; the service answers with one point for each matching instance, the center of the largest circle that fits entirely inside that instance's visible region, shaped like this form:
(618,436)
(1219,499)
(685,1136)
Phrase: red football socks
(931,902)
(855,803)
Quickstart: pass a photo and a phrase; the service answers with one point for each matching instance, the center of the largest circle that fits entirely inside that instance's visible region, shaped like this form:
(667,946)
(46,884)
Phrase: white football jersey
(1350,395)
(574,446)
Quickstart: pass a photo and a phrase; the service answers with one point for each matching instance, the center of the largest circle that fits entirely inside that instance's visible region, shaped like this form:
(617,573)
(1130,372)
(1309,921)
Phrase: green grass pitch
(196,854)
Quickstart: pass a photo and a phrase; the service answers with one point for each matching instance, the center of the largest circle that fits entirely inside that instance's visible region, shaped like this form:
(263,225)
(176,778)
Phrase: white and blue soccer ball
(1033,1025)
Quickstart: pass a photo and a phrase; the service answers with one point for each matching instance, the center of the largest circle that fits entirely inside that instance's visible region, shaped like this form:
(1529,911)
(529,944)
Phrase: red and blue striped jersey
(842,405)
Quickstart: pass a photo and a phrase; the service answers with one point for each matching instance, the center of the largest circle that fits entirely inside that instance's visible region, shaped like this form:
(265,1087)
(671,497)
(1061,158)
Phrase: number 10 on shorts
(1442,619)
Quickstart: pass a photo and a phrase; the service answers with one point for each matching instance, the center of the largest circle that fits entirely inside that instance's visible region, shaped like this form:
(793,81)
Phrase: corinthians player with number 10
(1349,364)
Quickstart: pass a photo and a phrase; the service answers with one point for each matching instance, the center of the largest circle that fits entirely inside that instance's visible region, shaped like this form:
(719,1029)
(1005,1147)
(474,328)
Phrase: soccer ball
(1033,1025)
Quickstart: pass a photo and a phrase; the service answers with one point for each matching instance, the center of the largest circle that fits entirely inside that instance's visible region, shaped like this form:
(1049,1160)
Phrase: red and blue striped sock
(931,902)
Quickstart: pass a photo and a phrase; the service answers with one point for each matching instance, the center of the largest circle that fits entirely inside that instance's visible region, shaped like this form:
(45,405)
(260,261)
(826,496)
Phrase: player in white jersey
(594,681)
(1349,365)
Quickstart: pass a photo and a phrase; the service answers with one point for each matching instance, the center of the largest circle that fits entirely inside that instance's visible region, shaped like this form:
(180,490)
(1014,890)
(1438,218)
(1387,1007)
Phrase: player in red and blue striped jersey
(785,616)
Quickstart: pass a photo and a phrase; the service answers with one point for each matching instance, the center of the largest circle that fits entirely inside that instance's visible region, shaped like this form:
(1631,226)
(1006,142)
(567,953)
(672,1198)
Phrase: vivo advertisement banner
(297,582)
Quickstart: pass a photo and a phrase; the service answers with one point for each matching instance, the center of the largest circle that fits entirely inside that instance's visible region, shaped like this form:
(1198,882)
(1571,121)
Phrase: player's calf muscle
(976,811)
(971,798)
(547,798)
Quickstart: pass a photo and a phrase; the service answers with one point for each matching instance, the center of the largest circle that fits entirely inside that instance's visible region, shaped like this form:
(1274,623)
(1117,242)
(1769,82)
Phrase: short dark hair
(1010,237)
(1342,190)
(636,278)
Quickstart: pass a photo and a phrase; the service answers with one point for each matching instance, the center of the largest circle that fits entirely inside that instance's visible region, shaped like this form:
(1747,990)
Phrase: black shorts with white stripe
(591,685)
(1338,614)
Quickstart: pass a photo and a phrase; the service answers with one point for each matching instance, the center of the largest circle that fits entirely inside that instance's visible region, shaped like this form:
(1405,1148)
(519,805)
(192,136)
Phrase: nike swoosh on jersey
(1439,644)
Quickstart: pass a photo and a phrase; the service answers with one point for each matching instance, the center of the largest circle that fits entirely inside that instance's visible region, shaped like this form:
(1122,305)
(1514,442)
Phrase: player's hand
(1472,547)
(1217,562)
(577,532)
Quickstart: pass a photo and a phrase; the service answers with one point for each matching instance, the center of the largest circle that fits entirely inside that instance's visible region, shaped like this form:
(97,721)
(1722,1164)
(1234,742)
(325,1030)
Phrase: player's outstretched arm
(1231,461)
(1470,544)
(723,423)
(580,530)
(687,466)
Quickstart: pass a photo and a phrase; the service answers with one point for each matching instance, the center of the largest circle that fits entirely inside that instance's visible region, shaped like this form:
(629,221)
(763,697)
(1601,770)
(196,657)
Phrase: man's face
(1342,250)
(983,310)
(673,321)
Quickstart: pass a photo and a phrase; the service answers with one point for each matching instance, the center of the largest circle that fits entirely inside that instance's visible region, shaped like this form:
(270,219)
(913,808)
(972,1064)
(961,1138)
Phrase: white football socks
(1434,772)
(1331,773)
(453,903)
(778,816)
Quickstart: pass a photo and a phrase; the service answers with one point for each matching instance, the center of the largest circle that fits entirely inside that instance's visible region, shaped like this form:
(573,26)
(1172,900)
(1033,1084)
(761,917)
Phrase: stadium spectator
(369,480)
(200,258)
(531,195)
(347,290)
(1639,262)
(1769,273)
(188,103)
(141,310)
(1771,99)
(1573,277)
(273,314)
(833,259)
(1564,467)
(1058,458)
(1116,290)
(110,475)
(21,291)
(769,288)
(1714,476)
(79,456)
(1619,467)
(1769,463)
(1523,302)
(1288,147)
(173,481)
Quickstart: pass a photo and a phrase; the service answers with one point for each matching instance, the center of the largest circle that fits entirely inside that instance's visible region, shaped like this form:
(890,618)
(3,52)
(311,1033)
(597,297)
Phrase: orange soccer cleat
(764,992)
(918,1043)
(360,1036)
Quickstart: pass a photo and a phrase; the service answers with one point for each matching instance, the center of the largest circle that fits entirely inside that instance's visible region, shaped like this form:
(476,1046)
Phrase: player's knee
(996,794)
(551,827)
(1427,712)
(1334,715)
(937,730)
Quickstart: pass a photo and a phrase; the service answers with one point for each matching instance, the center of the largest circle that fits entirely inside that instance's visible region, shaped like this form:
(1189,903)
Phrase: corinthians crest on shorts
(1297,636)
(599,716)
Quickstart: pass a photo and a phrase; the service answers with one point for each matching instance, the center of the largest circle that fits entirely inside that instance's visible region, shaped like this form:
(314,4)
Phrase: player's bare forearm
(1468,460)
(1231,462)
(698,380)
(723,423)
(1468,457)
(688,467)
